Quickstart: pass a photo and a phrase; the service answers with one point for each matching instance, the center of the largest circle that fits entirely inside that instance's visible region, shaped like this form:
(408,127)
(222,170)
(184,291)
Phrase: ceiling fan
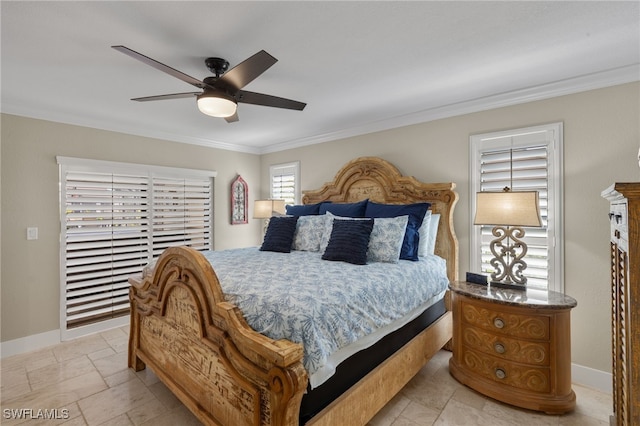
(221,94)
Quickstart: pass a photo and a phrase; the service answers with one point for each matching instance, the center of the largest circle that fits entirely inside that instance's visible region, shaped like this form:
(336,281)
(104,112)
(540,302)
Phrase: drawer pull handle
(498,322)
(500,373)
(499,348)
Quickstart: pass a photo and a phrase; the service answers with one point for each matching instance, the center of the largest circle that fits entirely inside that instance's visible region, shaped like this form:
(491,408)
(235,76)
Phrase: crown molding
(582,83)
(129,130)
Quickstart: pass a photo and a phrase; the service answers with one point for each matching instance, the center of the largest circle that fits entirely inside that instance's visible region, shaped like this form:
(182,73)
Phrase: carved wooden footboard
(204,351)
(227,374)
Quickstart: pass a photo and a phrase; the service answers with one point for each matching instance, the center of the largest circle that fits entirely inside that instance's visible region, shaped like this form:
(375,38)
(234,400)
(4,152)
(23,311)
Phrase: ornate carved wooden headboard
(380,181)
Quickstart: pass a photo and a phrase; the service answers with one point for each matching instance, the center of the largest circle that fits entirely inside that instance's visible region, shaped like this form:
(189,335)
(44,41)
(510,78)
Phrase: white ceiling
(359,66)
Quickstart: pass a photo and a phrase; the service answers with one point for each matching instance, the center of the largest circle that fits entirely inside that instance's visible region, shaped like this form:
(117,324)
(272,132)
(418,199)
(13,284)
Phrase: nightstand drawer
(522,351)
(527,377)
(506,323)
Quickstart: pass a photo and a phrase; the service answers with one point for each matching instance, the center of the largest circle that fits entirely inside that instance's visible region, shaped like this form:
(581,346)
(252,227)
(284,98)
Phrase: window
(536,166)
(284,182)
(115,218)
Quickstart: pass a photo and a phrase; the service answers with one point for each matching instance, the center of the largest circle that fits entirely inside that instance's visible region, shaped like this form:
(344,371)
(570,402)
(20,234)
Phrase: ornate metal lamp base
(507,262)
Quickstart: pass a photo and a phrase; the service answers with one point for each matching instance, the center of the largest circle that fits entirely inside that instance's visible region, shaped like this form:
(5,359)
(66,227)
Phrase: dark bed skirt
(354,368)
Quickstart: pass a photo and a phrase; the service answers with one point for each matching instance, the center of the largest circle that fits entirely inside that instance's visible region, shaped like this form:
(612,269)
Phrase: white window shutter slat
(115,222)
(284,182)
(522,169)
(523,160)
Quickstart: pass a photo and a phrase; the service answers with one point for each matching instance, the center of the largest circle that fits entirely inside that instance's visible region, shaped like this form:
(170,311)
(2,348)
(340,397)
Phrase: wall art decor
(239,206)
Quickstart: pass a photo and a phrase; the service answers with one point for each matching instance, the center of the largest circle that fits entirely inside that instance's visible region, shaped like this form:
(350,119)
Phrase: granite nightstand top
(534,298)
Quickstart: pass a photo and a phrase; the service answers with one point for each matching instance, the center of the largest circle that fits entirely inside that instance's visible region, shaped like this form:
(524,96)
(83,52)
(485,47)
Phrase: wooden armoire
(624,215)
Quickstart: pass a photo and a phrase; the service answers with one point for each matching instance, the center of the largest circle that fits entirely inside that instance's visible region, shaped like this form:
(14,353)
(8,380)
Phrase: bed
(184,327)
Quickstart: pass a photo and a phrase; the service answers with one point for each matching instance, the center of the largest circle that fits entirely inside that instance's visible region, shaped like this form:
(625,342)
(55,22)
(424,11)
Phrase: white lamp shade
(217,104)
(264,209)
(508,208)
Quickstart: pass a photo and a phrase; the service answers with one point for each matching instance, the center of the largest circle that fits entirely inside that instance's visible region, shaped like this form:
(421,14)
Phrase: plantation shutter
(115,218)
(283,182)
(181,213)
(526,159)
(106,228)
(528,172)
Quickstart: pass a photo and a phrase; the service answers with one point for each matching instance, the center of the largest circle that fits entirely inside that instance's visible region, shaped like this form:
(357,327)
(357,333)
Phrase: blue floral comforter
(323,305)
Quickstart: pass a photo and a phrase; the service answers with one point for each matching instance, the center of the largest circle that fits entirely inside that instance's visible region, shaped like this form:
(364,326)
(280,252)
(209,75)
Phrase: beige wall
(30,269)
(601,138)
(601,131)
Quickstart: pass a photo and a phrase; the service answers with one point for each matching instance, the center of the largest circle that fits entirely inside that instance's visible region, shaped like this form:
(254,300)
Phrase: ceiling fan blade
(233,118)
(169,96)
(246,71)
(161,67)
(268,100)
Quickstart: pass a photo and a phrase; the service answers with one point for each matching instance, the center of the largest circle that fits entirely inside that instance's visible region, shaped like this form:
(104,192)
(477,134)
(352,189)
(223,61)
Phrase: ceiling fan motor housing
(218,66)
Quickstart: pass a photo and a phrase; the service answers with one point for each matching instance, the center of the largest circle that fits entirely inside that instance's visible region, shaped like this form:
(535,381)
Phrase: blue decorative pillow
(279,236)
(303,209)
(416,214)
(349,241)
(328,227)
(345,209)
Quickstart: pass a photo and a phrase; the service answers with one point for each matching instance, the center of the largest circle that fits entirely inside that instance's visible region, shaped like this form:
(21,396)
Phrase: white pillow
(423,232)
(309,232)
(385,241)
(433,233)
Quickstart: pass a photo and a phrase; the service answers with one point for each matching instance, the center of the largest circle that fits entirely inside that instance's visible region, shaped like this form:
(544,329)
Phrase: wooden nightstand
(513,345)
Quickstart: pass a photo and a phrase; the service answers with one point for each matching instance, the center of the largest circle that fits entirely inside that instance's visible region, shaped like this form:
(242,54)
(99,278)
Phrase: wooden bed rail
(203,350)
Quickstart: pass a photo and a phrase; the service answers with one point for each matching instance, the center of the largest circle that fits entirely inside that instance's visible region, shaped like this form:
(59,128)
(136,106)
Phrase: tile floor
(87,382)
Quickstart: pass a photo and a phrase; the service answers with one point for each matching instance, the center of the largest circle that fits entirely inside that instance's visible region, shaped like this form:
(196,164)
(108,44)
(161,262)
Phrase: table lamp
(266,209)
(509,211)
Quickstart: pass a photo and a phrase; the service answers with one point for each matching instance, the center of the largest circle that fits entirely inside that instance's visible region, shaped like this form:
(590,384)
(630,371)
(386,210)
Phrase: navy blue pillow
(303,209)
(349,241)
(345,209)
(416,213)
(279,235)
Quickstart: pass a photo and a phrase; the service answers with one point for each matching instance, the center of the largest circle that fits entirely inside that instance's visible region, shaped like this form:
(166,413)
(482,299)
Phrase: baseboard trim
(592,378)
(29,343)
(54,337)
(580,374)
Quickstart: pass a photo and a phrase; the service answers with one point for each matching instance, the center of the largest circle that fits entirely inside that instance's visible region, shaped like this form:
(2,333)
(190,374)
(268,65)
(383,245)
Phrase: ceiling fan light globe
(217,105)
